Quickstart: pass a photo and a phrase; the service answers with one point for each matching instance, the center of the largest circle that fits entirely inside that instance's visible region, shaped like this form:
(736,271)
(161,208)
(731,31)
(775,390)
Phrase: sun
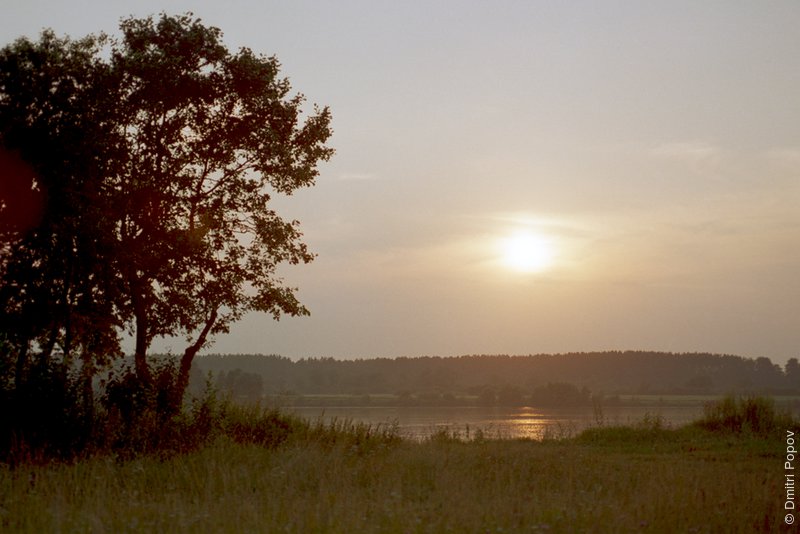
(527,252)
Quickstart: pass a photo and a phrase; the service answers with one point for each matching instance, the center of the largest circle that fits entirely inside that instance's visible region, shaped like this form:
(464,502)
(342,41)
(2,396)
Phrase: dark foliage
(137,174)
(44,416)
(47,420)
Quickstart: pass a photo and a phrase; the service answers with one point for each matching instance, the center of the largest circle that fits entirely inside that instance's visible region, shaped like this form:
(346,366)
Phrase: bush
(141,418)
(47,415)
(146,420)
(748,415)
(43,413)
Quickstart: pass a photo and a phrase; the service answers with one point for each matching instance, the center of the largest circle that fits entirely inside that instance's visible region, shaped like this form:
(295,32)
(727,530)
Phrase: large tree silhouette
(154,157)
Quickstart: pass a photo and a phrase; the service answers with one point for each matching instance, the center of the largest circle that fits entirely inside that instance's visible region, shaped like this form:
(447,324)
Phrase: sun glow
(527,252)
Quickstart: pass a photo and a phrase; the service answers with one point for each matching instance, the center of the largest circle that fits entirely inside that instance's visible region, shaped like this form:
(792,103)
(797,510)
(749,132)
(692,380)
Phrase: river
(534,423)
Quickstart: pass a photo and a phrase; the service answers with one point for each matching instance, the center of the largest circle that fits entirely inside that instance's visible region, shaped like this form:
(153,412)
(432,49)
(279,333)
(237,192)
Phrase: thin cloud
(356,177)
(785,156)
(699,156)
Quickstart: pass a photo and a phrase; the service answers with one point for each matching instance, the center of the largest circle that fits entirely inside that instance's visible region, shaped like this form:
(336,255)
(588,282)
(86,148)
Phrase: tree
(55,233)
(166,150)
(792,372)
(241,384)
(766,374)
(560,394)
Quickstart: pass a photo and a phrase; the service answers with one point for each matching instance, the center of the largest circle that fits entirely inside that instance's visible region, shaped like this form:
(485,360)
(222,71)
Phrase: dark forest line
(579,377)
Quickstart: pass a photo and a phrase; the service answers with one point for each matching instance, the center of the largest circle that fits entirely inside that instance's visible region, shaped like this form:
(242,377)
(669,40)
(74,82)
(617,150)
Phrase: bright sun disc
(527,252)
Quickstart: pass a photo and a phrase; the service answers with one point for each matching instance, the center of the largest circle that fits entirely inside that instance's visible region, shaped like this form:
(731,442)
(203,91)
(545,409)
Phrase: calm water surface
(535,423)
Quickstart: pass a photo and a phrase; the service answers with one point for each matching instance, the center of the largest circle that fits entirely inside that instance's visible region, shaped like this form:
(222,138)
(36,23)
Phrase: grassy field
(351,478)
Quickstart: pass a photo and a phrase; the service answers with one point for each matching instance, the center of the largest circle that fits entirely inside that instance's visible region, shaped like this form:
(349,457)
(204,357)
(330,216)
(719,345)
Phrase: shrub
(43,413)
(748,415)
(47,416)
(136,418)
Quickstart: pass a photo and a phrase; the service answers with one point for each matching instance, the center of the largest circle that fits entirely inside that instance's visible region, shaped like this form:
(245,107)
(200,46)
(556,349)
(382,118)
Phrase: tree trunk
(182,381)
(140,354)
(87,388)
(49,346)
(22,365)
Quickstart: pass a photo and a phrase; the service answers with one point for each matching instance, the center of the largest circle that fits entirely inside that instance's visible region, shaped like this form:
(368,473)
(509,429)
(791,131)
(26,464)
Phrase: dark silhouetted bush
(752,415)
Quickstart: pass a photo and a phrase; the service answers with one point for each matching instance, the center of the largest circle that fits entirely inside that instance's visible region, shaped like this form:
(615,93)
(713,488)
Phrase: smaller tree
(57,292)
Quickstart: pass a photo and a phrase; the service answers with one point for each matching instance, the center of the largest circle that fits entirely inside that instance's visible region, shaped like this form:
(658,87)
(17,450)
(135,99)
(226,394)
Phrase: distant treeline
(501,377)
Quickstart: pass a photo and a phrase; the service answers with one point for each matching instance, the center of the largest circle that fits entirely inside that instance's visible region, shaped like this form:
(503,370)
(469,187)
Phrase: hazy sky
(646,155)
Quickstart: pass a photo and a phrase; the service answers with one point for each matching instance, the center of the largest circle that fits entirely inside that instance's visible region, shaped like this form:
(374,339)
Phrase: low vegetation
(748,415)
(249,469)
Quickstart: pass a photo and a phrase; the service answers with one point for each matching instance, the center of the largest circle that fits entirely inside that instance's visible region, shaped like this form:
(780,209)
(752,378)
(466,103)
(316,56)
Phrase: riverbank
(353,478)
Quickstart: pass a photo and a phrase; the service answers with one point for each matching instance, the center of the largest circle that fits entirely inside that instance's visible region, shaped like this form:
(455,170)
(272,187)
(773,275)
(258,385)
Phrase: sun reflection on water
(419,423)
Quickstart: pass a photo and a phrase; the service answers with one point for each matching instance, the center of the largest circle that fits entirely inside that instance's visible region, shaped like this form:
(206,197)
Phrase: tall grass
(254,469)
(349,478)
